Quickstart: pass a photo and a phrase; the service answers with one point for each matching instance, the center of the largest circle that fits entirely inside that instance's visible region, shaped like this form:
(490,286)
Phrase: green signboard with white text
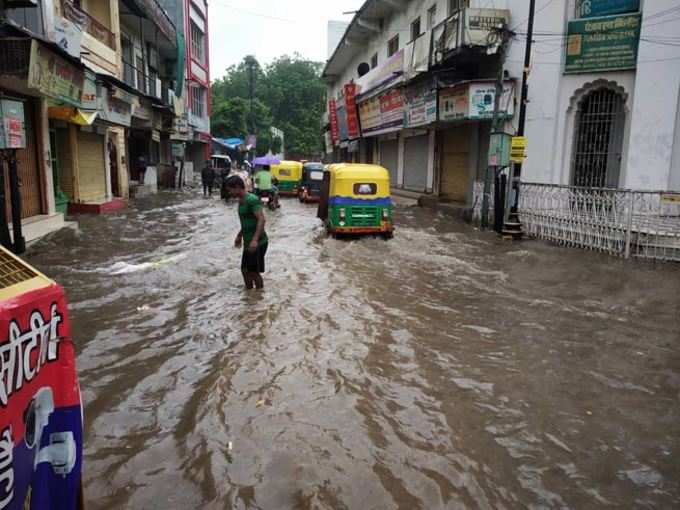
(591,8)
(608,43)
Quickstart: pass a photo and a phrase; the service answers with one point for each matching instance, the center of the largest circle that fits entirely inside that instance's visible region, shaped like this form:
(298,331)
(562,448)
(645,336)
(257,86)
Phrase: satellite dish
(363,69)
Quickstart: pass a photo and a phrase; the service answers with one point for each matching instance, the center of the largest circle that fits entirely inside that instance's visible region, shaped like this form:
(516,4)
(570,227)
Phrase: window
(141,79)
(374,61)
(198,101)
(415,29)
(456,5)
(197,43)
(365,188)
(128,60)
(431,17)
(393,46)
(598,139)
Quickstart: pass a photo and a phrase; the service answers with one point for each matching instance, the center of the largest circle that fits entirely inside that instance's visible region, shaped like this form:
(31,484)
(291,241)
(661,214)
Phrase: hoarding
(591,8)
(603,44)
(475,101)
(351,108)
(333,115)
(68,36)
(383,113)
(53,76)
(12,127)
(420,105)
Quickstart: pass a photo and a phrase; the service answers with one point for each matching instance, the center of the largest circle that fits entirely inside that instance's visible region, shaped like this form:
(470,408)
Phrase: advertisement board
(41,416)
(333,116)
(53,76)
(603,44)
(68,36)
(420,105)
(590,8)
(12,127)
(383,113)
(351,109)
(475,101)
(342,123)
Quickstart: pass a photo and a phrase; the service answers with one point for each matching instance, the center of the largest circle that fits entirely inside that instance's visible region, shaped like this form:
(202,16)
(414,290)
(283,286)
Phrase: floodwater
(442,369)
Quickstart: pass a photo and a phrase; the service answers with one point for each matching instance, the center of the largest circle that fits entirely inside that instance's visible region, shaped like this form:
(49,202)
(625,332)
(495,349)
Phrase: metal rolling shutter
(455,171)
(389,158)
(415,162)
(92,169)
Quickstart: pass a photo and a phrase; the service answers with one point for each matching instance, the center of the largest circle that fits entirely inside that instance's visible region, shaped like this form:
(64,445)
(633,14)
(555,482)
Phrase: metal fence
(624,223)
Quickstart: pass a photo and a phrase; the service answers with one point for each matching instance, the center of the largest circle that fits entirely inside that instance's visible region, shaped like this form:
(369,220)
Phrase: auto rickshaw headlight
(342,214)
(385,215)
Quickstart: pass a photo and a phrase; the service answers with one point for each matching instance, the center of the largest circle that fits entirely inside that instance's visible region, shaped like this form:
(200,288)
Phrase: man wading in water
(252,235)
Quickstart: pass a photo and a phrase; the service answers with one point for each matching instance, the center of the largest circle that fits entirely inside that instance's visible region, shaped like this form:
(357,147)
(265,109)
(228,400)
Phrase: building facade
(412,86)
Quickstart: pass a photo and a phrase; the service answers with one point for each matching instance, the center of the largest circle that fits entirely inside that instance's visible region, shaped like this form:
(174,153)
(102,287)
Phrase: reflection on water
(442,369)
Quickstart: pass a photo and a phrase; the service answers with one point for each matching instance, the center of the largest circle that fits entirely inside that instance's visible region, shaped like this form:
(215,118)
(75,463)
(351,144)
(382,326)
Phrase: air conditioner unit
(13,4)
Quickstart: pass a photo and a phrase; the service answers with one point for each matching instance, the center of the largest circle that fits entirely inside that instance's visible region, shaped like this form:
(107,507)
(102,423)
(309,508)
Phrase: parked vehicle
(221,164)
(289,175)
(355,199)
(310,186)
(268,199)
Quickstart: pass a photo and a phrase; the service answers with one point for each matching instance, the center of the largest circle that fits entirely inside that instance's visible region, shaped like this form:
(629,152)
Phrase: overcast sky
(270,28)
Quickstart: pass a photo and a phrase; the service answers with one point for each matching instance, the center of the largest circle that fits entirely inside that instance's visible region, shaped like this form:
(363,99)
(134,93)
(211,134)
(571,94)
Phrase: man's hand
(238,242)
(252,247)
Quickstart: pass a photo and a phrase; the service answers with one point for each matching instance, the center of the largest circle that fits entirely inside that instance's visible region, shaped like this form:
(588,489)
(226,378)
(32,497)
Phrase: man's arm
(239,239)
(258,230)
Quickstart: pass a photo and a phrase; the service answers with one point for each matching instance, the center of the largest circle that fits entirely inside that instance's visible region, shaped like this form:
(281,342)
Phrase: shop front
(420,114)
(382,117)
(466,110)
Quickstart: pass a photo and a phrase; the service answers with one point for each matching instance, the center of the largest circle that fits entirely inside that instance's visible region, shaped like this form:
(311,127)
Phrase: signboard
(68,36)
(603,44)
(342,123)
(499,149)
(475,101)
(177,150)
(12,127)
(479,23)
(142,109)
(90,101)
(670,198)
(518,149)
(40,412)
(591,8)
(328,140)
(389,70)
(351,108)
(55,77)
(333,114)
(382,114)
(420,105)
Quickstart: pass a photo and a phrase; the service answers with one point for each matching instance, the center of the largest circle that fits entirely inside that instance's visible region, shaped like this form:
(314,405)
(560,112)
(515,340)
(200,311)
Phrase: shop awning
(72,115)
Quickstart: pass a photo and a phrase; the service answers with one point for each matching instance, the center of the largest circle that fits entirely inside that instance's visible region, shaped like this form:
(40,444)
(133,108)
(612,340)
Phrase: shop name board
(342,123)
(351,107)
(479,23)
(590,8)
(420,108)
(55,77)
(333,114)
(392,68)
(475,101)
(383,113)
(12,130)
(603,44)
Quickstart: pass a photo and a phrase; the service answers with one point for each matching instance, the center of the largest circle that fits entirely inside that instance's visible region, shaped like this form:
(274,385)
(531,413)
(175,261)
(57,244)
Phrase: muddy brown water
(442,369)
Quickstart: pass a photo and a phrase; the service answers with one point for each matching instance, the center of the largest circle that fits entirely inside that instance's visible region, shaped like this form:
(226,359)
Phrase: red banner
(351,105)
(333,114)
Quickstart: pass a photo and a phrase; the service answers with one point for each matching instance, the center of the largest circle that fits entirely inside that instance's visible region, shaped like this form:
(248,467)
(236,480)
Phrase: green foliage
(289,94)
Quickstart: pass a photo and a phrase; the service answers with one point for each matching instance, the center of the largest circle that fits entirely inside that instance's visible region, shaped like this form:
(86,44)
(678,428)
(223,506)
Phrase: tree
(289,94)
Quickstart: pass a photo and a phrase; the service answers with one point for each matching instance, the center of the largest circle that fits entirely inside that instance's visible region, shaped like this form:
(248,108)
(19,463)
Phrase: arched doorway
(598,139)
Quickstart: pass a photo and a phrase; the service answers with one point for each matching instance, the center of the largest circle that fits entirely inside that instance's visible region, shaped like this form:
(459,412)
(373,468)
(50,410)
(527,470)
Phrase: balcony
(467,29)
(88,24)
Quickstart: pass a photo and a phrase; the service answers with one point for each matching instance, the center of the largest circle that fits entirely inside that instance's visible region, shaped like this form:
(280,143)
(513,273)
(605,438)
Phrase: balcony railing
(87,23)
(147,84)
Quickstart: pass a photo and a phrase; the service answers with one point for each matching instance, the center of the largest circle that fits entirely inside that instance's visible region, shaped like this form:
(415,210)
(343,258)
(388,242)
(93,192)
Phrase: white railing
(625,223)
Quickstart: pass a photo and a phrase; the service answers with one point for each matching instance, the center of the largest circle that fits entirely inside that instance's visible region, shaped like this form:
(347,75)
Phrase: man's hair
(234,181)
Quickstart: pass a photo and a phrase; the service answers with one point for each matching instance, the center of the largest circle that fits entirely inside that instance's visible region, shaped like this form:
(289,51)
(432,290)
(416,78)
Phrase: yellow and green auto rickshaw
(289,176)
(355,199)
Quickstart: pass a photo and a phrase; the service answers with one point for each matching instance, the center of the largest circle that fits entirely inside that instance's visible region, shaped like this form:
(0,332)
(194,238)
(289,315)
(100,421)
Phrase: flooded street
(442,369)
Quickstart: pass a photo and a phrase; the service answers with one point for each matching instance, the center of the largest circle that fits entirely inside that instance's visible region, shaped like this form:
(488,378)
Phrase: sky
(271,28)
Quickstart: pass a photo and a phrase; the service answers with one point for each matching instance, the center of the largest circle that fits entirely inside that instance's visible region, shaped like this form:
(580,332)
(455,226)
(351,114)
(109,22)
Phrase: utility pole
(517,169)
(497,122)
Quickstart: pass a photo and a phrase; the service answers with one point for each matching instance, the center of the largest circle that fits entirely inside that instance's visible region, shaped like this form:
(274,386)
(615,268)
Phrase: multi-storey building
(412,86)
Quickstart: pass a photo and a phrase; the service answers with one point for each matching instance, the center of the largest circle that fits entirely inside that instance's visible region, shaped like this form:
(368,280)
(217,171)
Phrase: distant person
(208,178)
(252,235)
(264,184)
